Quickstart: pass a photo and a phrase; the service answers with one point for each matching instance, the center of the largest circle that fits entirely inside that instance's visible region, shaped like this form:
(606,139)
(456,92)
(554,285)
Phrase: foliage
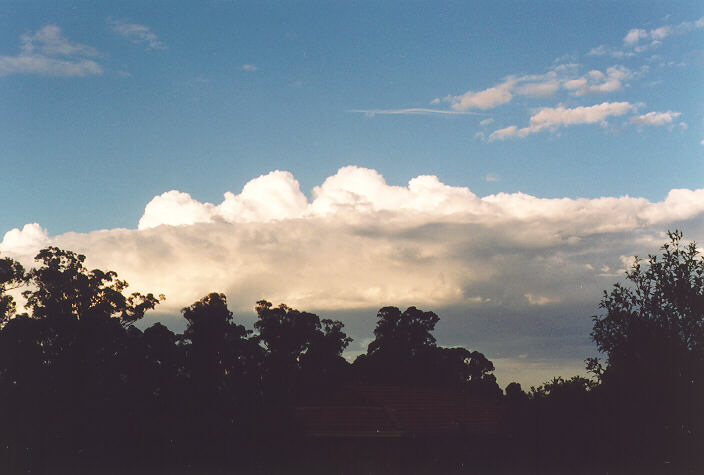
(301,351)
(405,352)
(664,306)
(652,333)
(11,277)
(407,333)
(63,286)
(562,388)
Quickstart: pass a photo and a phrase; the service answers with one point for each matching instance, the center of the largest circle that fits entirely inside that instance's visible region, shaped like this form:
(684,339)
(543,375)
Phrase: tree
(63,286)
(405,352)
(408,333)
(665,302)
(652,333)
(70,369)
(302,353)
(11,277)
(220,354)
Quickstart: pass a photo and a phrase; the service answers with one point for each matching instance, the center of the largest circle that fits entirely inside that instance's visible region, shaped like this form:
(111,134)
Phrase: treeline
(83,390)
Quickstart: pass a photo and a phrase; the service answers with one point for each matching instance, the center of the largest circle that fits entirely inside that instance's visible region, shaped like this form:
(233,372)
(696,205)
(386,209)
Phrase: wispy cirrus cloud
(48,52)
(136,33)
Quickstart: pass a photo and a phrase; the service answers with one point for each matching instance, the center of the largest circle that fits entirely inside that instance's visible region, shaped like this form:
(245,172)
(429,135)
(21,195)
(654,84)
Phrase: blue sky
(185,115)
(107,106)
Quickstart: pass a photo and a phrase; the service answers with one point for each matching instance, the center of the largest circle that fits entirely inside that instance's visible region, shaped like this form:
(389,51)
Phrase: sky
(499,163)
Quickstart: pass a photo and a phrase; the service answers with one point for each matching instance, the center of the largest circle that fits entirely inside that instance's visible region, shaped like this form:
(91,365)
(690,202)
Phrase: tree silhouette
(63,286)
(11,277)
(408,333)
(303,354)
(652,333)
(405,352)
(70,369)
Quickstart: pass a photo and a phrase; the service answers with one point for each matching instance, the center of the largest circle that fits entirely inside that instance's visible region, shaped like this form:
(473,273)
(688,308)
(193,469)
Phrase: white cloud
(656,118)
(552,118)
(573,84)
(270,197)
(542,86)
(505,133)
(486,99)
(250,68)
(638,40)
(136,33)
(661,33)
(539,89)
(634,36)
(175,208)
(48,52)
(27,240)
(491,177)
(49,41)
(597,82)
(486,121)
(362,243)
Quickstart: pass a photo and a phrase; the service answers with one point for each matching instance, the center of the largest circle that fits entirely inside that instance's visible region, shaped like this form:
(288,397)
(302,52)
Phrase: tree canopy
(652,333)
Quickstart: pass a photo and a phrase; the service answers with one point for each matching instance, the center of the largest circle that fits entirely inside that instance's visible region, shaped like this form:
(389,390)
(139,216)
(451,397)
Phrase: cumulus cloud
(499,269)
(656,118)
(48,52)
(136,33)
(361,243)
(20,242)
(175,208)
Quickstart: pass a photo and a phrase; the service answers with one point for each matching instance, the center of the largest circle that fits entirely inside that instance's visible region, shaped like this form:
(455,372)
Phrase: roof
(392,411)
(347,421)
